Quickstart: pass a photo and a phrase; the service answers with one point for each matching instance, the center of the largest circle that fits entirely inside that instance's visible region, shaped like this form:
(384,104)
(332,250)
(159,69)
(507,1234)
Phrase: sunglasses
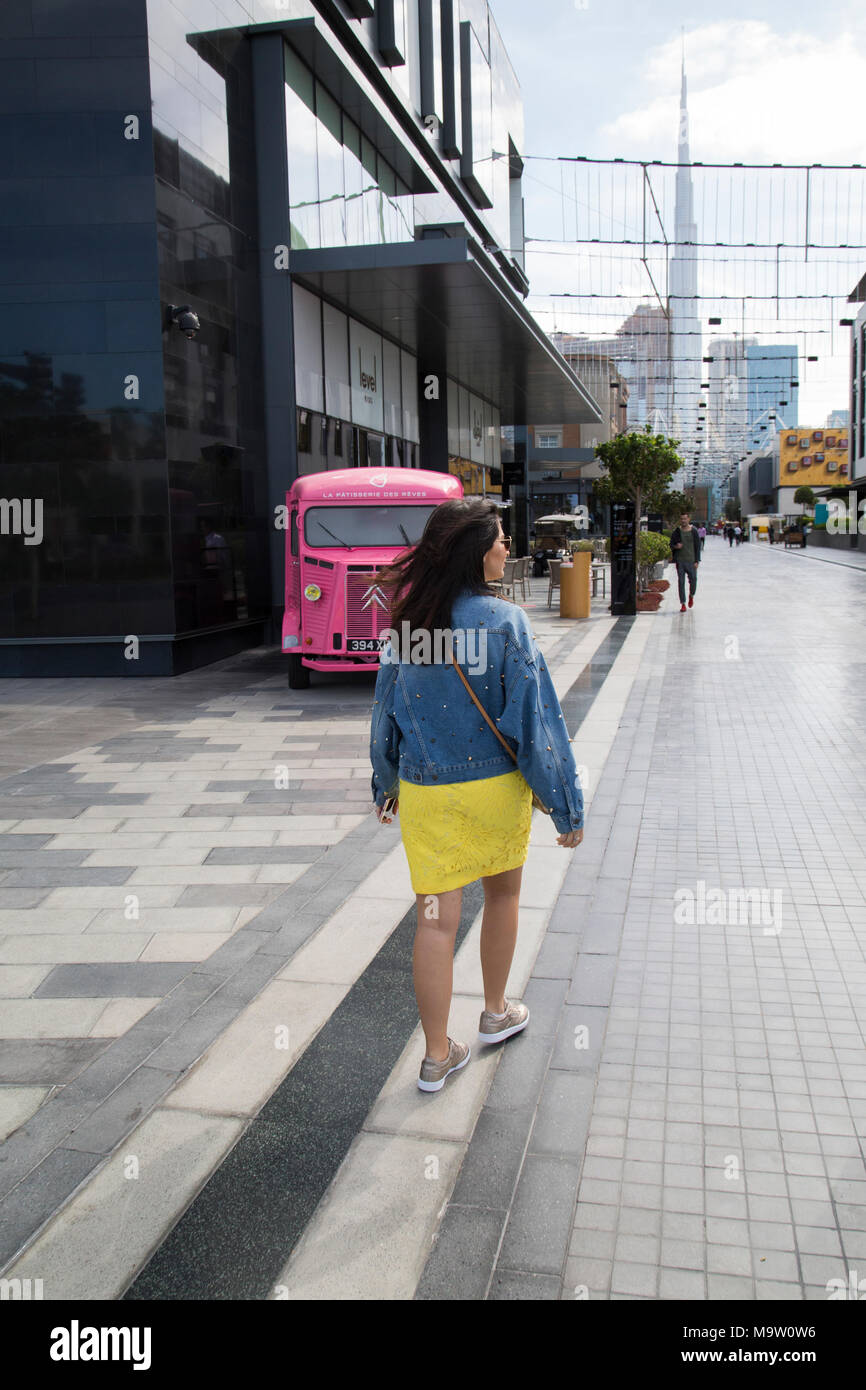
(506,541)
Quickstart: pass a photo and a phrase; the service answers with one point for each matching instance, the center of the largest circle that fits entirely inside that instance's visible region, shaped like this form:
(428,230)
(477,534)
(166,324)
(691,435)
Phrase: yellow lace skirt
(457,832)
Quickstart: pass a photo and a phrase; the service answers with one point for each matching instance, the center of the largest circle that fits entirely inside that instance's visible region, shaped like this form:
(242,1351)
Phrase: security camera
(186,319)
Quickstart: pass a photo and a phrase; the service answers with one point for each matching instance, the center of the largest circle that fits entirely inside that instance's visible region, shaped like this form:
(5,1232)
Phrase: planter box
(649,602)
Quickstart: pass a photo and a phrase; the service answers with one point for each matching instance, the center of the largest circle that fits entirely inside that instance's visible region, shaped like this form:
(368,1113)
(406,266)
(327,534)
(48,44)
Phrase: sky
(774,80)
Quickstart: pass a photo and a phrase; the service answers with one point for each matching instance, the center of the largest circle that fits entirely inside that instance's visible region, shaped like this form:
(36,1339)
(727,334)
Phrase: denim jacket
(425,728)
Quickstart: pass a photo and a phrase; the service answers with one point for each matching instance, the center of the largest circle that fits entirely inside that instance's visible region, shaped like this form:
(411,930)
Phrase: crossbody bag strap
(474,698)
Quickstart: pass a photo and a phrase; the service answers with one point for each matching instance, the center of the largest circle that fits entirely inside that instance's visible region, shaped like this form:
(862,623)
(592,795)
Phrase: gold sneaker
(491,1030)
(433,1074)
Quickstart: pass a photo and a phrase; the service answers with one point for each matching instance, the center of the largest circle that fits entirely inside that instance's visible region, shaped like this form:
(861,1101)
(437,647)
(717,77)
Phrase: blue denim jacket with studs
(425,729)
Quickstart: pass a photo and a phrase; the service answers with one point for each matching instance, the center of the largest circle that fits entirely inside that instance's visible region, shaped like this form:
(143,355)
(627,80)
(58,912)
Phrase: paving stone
(458,1268)
(536,1238)
(128,980)
(29,1205)
(563,1115)
(110,1122)
(514,1286)
(41,1061)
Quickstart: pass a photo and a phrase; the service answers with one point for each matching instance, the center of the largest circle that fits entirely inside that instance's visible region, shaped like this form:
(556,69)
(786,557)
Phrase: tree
(639,467)
(805,497)
(732,509)
(673,504)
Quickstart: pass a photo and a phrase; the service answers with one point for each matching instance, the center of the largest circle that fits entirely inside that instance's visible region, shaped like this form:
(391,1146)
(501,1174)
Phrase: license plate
(365,644)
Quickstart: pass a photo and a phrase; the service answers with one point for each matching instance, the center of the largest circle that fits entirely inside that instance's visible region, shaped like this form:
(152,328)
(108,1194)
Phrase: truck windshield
(339,527)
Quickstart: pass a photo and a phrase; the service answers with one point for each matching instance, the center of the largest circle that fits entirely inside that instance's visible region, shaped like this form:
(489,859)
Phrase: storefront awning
(445,291)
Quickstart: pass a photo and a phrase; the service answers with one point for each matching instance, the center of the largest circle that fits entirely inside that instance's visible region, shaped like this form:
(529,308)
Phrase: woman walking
(464,792)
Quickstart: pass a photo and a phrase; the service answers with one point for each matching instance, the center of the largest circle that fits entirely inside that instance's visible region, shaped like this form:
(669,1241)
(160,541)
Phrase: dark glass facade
(140,175)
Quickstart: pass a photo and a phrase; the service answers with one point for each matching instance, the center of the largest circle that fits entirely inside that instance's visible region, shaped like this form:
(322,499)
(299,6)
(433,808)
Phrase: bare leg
(499,934)
(433,965)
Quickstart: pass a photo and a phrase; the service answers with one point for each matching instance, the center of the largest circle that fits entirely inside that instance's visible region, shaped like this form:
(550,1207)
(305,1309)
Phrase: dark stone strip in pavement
(35,1200)
(237,1235)
(46,1061)
(227,894)
(471,1234)
(265,854)
(517,1286)
(33,807)
(93,877)
(17,858)
(111,980)
(11,897)
(539,1221)
(110,1122)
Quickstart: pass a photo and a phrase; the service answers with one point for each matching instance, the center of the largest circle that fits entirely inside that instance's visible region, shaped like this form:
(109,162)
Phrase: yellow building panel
(813,457)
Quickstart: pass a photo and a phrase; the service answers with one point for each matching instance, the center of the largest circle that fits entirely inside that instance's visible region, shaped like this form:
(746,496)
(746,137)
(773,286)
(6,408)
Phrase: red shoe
(682,608)
(691,599)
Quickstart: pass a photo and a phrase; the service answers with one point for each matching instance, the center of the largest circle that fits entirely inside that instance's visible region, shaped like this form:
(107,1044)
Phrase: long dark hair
(449,558)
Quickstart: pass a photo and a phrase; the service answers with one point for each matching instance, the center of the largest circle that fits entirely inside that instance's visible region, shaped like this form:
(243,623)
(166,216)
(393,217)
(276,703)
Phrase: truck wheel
(299,675)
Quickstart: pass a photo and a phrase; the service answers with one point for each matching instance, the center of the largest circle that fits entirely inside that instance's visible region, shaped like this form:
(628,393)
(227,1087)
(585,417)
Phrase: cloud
(754,94)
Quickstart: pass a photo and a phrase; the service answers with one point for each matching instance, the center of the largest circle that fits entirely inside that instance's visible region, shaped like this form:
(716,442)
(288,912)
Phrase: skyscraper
(772,372)
(683,289)
(727,402)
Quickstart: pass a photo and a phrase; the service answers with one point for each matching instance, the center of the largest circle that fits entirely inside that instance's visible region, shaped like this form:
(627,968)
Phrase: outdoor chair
(553,567)
(508,579)
(521,577)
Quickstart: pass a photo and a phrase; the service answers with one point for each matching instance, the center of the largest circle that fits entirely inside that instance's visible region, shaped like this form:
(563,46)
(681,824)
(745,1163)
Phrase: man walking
(686,552)
(702,532)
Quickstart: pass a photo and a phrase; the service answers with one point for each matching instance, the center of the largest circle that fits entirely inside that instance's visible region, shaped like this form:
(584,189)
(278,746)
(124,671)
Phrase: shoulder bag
(537,803)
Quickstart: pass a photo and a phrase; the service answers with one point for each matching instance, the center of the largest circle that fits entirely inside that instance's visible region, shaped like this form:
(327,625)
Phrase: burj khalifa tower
(685,329)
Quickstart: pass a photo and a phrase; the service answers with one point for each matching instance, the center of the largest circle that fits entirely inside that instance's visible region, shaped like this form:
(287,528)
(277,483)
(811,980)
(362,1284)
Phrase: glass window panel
(301,139)
(391,387)
(331,189)
(353,176)
(371,192)
(308,349)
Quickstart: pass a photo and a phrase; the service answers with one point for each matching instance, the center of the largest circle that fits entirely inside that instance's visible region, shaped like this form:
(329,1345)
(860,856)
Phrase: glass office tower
(241,240)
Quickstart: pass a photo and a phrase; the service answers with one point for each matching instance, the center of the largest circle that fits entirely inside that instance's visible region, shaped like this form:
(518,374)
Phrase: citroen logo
(374,595)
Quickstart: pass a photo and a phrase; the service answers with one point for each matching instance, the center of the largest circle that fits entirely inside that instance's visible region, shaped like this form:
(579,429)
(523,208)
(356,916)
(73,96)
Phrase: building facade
(242,240)
(773,387)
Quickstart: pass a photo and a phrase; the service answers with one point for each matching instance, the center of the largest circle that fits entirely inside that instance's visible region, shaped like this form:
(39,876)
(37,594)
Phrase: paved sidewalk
(685,1116)
(704,1137)
(851,559)
(152,883)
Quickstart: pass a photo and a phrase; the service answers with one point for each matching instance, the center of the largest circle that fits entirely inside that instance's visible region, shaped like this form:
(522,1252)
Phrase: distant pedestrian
(729,532)
(686,552)
(702,532)
(771,533)
(738,534)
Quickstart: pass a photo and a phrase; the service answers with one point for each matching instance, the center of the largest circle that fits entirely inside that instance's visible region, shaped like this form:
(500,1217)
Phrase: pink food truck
(342,527)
